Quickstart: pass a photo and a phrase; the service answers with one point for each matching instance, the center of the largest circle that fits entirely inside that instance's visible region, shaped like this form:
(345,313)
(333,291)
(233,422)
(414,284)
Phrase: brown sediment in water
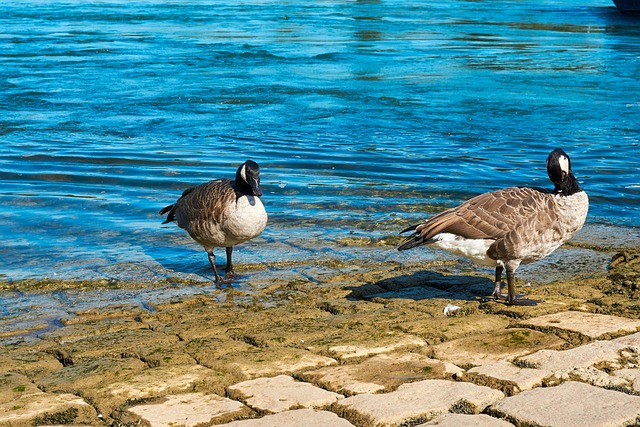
(341,313)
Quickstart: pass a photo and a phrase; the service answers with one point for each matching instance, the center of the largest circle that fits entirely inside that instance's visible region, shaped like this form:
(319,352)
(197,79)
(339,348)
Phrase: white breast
(573,210)
(246,219)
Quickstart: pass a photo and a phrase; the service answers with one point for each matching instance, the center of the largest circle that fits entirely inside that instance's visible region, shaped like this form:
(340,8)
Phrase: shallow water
(364,116)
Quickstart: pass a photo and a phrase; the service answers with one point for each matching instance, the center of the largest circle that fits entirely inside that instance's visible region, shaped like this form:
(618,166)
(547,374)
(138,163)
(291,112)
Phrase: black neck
(567,187)
(242,188)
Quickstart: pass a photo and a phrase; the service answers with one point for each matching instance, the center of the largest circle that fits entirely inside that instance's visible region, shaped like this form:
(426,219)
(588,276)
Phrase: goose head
(248,179)
(560,173)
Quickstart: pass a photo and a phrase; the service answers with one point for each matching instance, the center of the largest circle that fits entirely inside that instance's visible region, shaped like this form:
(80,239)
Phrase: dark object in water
(631,7)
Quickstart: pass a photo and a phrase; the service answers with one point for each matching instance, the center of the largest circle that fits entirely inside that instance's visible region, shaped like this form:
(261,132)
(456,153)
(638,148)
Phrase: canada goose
(505,228)
(222,213)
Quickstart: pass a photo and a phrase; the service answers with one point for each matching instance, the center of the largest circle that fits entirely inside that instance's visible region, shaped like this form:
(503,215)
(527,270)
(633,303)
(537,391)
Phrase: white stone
(583,356)
(523,378)
(461,420)
(589,324)
(571,404)
(281,393)
(300,417)
(187,410)
(422,399)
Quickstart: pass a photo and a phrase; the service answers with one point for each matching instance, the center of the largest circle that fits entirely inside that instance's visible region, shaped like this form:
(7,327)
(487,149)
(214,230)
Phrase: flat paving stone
(189,409)
(300,417)
(281,393)
(415,401)
(384,371)
(347,352)
(156,382)
(571,404)
(149,384)
(22,403)
(508,375)
(500,345)
(591,325)
(461,420)
(583,356)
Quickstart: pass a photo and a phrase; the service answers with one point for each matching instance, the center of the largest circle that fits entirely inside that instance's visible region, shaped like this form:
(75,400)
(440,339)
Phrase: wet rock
(624,275)
(91,374)
(30,363)
(23,404)
(571,404)
(122,343)
(281,393)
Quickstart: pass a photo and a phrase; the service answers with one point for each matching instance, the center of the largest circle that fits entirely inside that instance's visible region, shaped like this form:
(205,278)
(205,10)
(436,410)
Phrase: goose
(511,226)
(222,213)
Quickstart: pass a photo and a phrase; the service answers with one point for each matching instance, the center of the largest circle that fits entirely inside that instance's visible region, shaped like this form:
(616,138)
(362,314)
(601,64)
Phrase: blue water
(364,116)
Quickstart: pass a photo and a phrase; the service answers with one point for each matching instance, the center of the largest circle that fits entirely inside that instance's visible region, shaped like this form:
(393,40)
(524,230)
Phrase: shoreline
(96,361)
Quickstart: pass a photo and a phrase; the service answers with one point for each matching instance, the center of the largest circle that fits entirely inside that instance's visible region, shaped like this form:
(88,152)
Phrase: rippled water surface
(364,115)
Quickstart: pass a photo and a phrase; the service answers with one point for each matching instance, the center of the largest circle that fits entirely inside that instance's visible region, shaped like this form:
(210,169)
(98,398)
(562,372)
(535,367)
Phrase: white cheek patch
(564,164)
(243,173)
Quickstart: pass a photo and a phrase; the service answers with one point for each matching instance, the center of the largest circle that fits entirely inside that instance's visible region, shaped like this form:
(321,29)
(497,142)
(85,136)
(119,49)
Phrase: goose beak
(255,187)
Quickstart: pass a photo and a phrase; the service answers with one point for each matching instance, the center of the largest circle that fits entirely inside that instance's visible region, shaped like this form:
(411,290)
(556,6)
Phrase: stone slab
(583,356)
(460,420)
(189,409)
(22,403)
(281,393)
(591,325)
(500,345)
(151,383)
(156,382)
(571,404)
(300,417)
(507,374)
(384,371)
(415,401)
(347,352)
(297,360)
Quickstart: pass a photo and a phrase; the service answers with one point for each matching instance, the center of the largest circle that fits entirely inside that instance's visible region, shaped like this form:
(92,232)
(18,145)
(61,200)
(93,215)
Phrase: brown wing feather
(487,216)
(203,203)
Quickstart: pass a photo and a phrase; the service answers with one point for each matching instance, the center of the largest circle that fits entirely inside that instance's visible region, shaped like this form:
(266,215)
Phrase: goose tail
(170,210)
(413,240)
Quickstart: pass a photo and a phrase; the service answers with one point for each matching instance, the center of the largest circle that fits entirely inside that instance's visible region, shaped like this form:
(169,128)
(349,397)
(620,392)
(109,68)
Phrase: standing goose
(505,228)
(222,213)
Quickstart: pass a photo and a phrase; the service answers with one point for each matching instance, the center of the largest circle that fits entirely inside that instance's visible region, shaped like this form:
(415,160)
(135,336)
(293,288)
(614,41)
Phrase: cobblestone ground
(369,346)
